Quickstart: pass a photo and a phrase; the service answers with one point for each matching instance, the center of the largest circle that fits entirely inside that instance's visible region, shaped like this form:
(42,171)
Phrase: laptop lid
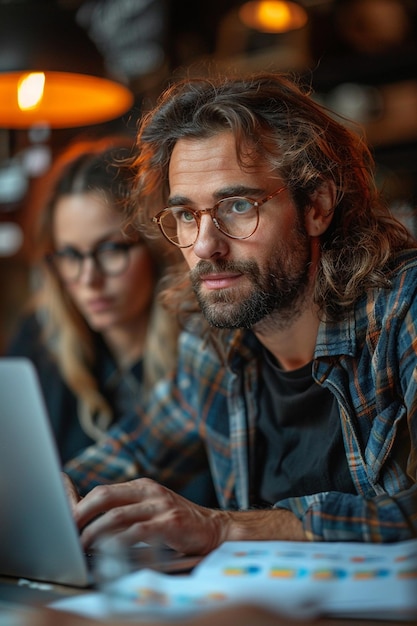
(38,537)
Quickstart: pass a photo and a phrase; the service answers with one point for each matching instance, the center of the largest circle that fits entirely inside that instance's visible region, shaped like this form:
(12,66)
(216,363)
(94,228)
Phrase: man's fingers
(71,491)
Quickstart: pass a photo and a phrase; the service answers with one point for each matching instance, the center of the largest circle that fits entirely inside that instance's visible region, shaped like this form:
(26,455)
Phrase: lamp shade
(50,70)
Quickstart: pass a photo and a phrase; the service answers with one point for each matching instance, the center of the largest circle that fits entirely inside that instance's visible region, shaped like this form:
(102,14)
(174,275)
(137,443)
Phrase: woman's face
(82,223)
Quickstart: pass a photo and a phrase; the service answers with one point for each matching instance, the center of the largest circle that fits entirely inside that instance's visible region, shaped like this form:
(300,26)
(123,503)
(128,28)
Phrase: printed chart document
(295,578)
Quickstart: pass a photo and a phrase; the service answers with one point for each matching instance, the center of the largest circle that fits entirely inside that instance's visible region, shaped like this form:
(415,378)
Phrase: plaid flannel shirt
(368,361)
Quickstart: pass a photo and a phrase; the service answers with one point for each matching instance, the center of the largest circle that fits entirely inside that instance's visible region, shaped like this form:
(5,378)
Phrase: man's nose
(210,242)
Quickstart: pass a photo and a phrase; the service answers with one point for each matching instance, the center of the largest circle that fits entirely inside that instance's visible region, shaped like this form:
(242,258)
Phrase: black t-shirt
(300,449)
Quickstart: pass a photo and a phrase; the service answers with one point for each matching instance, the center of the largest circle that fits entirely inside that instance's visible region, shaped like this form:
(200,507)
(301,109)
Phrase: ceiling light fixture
(50,70)
(273,16)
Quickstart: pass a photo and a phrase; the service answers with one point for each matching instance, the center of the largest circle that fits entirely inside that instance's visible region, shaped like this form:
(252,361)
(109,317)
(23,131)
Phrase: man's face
(238,283)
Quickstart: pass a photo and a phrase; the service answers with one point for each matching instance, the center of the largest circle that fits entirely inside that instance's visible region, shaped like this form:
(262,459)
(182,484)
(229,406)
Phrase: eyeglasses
(111,258)
(236,217)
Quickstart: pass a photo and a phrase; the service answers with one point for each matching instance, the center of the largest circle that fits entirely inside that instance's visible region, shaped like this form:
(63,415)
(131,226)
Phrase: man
(302,386)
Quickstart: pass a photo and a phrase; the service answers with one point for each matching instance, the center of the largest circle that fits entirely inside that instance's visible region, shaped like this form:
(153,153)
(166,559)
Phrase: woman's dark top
(61,403)
(121,390)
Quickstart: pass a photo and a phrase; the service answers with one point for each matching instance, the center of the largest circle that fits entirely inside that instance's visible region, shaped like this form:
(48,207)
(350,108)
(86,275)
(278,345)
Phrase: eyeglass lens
(236,217)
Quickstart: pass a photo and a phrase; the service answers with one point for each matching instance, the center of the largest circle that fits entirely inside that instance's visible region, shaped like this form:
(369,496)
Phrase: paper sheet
(297,579)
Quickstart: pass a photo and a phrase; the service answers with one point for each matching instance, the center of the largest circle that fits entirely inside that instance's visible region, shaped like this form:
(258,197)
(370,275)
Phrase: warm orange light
(273,16)
(66,100)
(30,88)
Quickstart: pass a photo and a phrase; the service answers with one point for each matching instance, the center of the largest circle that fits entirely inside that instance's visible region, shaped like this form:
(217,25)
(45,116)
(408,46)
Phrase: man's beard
(278,292)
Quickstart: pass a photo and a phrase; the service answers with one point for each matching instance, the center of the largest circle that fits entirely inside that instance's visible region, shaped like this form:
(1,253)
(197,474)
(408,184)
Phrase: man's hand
(143,510)
(72,493)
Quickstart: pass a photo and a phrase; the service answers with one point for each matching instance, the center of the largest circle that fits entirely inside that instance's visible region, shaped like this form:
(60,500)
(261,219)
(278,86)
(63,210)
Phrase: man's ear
(320,213)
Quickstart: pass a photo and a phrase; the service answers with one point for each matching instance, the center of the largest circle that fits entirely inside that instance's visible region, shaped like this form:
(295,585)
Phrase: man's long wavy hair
(93,166)
(277,122)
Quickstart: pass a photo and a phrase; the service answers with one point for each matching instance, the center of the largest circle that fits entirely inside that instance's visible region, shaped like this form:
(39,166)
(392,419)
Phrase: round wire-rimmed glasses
(236,217)
(111,258)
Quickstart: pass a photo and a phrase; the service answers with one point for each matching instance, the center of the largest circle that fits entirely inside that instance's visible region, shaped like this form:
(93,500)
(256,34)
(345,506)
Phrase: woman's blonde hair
(96,165)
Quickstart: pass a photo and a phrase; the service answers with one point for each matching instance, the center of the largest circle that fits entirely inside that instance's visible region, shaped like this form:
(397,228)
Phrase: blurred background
(358,56)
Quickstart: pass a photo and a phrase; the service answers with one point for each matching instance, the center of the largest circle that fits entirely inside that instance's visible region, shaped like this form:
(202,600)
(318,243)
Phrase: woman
(95,332)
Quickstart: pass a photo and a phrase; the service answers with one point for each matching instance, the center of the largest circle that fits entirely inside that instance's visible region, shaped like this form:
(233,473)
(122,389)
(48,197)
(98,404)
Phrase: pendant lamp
(51,72)
(273,16)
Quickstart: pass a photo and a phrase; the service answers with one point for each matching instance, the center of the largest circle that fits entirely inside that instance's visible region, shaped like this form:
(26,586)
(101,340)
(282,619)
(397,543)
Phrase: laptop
(39,539)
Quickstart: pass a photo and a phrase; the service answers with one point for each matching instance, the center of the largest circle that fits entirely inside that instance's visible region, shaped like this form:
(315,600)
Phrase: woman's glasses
(111,258)
(236,217)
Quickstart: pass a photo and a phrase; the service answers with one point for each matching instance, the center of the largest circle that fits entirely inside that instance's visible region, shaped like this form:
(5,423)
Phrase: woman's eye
(109,248)
(69,253)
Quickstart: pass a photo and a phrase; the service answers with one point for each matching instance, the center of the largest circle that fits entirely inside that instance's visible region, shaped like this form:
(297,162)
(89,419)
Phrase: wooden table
(25,604)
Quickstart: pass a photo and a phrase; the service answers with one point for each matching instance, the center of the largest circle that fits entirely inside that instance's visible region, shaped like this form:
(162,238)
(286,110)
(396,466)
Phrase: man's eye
(185,216)
(240,205)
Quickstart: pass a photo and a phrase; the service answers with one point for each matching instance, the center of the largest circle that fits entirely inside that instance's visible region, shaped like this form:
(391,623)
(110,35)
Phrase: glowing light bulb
(273,16)
(30,90)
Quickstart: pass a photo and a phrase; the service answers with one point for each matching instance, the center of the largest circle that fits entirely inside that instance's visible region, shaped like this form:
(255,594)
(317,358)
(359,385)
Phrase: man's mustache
(203,268)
